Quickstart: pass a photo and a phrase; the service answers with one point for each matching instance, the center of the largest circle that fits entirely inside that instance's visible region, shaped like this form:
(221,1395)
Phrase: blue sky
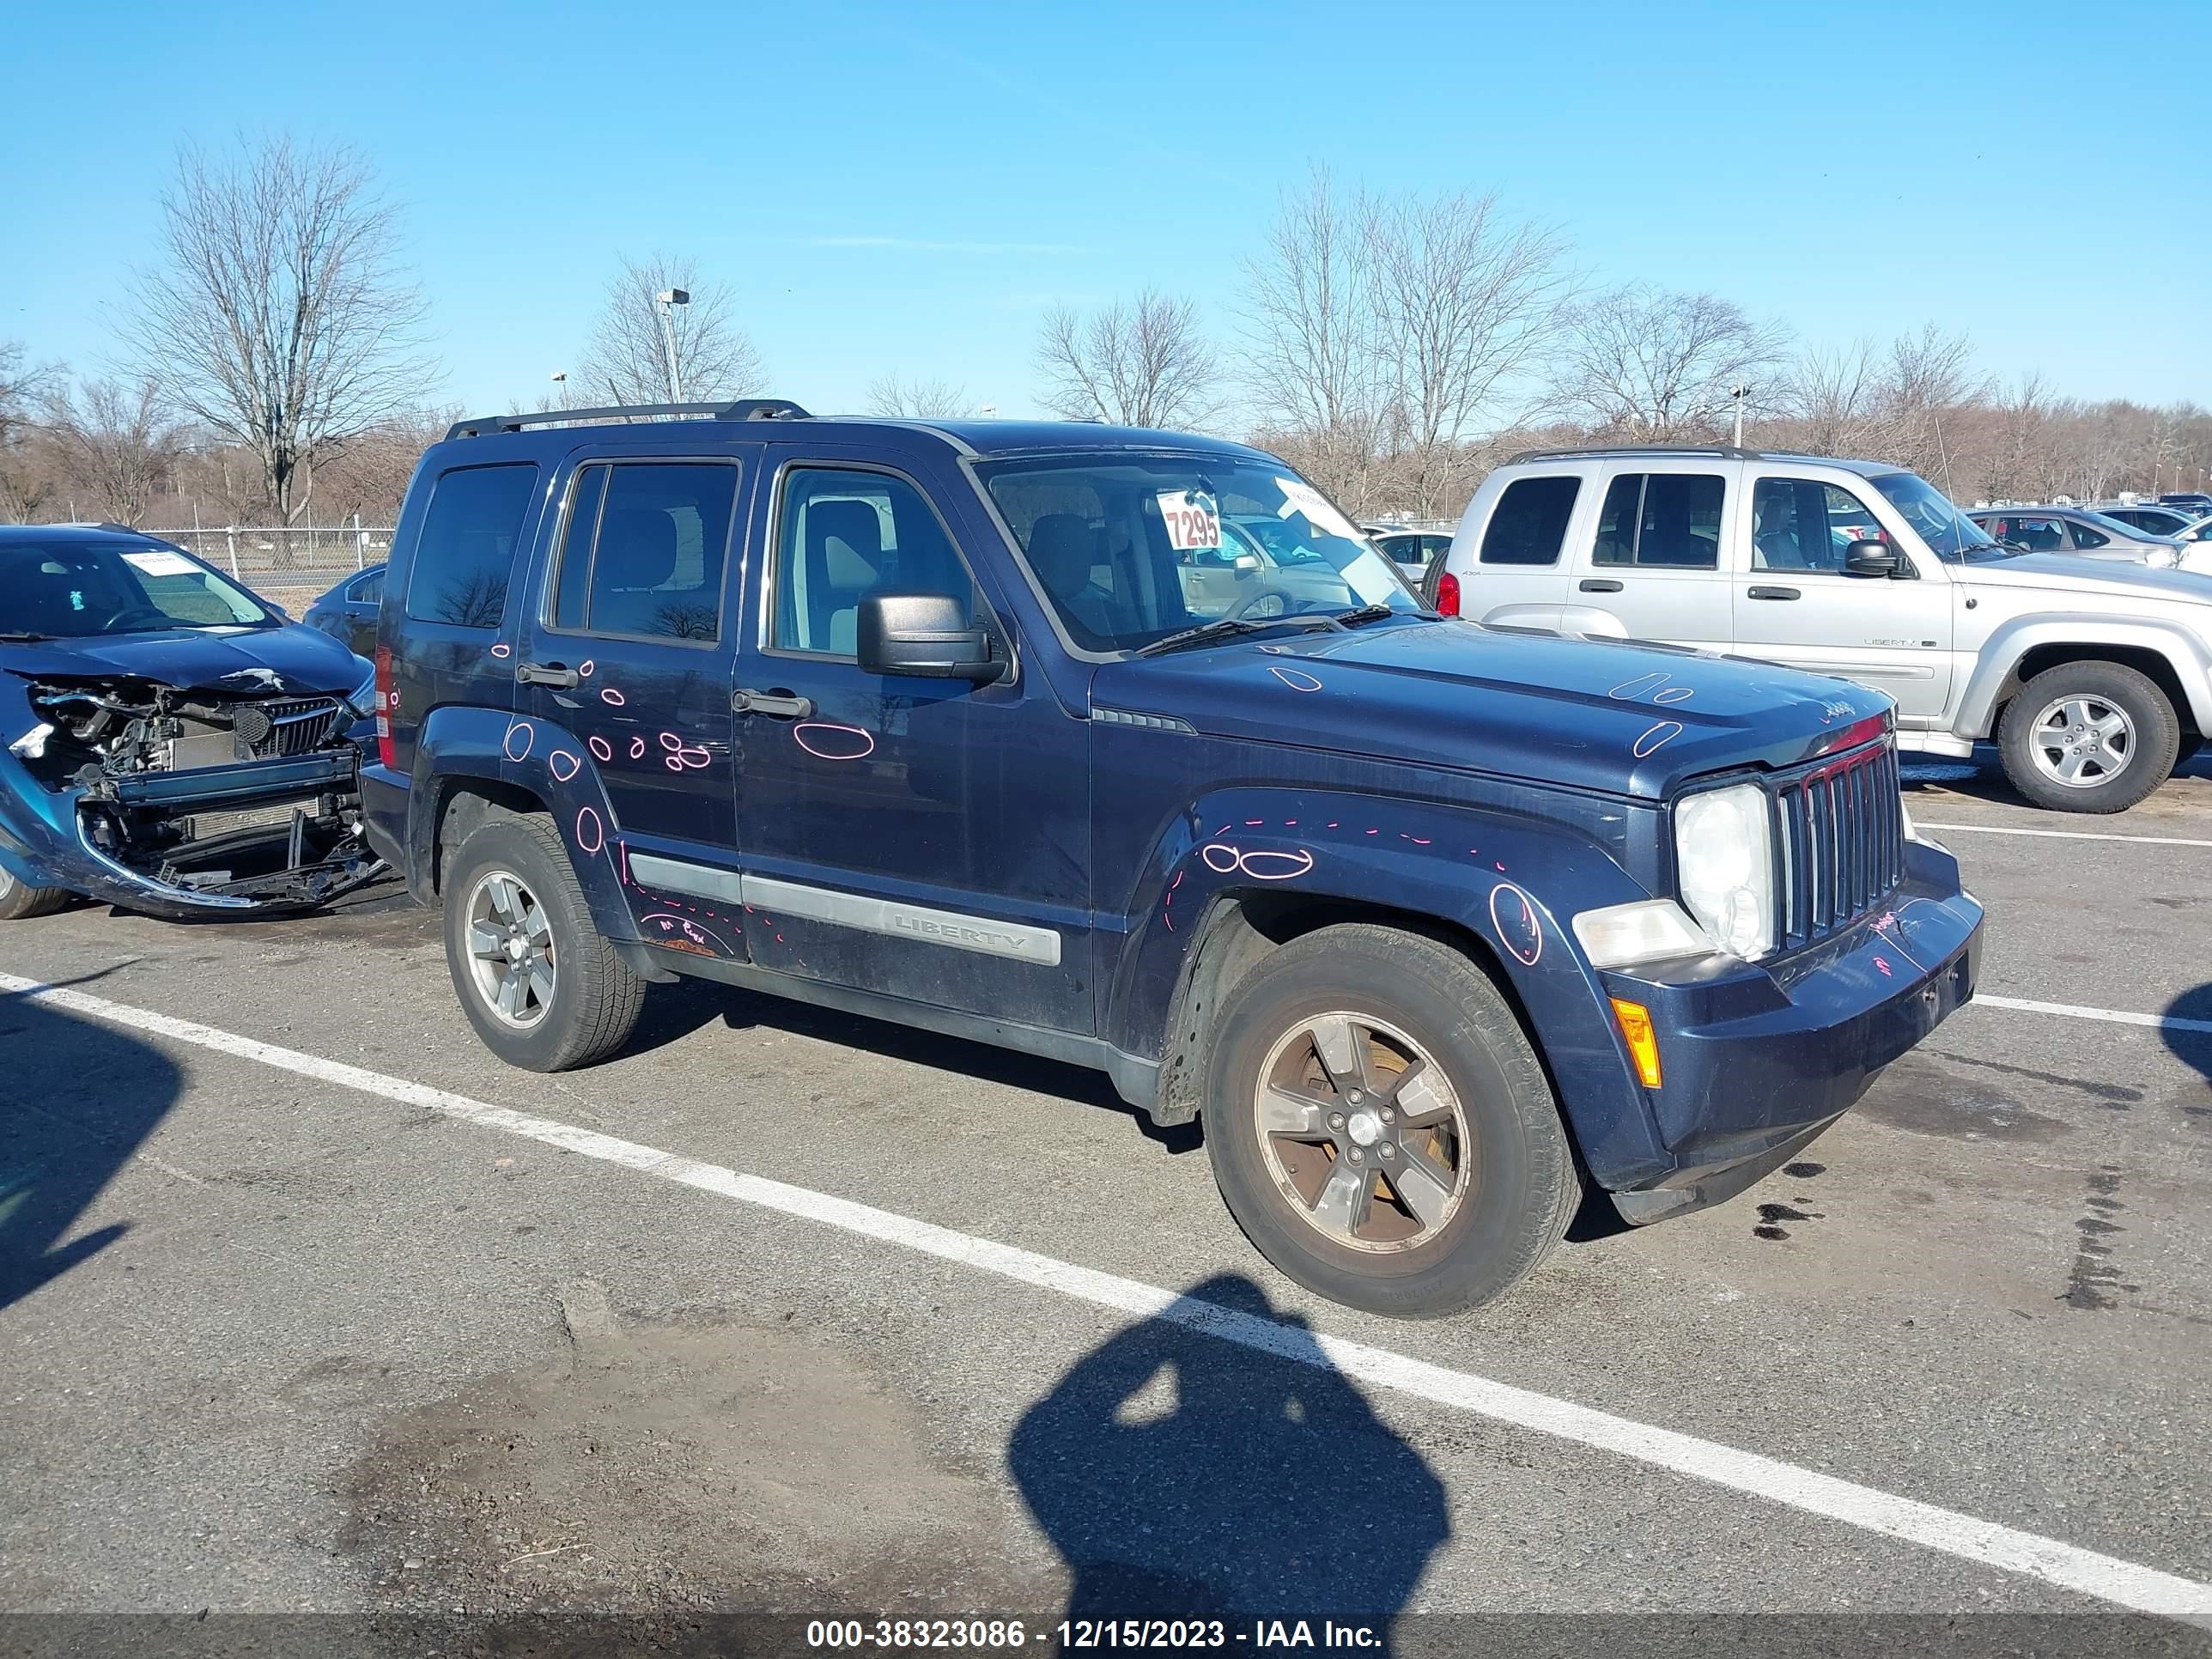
(894,188)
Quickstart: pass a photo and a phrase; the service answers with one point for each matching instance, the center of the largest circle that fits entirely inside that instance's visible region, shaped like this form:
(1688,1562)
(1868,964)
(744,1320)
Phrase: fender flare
(518,751)
(2184,652)
(1511,882)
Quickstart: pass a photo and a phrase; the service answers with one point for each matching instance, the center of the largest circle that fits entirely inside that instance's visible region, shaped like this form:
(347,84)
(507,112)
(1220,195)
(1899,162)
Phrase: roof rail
(745,409)
(1724,452)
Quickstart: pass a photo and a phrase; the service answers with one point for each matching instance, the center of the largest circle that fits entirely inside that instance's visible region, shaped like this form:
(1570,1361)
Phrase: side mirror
(1247,563)
(926,634)
(1871,558)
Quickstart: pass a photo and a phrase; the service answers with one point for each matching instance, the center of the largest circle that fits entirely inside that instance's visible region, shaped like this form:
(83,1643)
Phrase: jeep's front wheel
(2088,737)
(543,988)
(20,901)
(1380,1127)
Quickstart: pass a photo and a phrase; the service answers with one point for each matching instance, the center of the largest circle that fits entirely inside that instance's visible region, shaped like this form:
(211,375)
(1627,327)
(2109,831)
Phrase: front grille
(297,726)
(1841,850)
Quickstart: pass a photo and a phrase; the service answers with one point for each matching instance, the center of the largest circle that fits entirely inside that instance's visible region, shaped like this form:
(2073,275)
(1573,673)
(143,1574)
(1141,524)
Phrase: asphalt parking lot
(277,1336)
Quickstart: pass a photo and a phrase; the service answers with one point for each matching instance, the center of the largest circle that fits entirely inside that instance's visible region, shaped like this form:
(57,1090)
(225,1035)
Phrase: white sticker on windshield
(155,563)
(1299,497)
(1194,521)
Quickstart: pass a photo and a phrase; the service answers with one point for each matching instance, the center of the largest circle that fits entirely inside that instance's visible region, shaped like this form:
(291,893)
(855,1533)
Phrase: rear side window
(2085,537)
(368,589)
(1662,520)
(644,549)
(1529,523)
(467,545)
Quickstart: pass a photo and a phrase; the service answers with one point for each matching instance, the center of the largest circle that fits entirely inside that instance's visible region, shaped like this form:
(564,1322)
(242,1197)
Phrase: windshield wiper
(1368,613)
(1225,627)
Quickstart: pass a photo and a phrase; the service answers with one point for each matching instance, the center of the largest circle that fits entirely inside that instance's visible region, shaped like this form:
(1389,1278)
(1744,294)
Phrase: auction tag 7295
(1194,521)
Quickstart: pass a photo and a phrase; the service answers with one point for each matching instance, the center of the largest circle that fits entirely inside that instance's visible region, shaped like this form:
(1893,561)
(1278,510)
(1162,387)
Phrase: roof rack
(1724,452)
(745,409)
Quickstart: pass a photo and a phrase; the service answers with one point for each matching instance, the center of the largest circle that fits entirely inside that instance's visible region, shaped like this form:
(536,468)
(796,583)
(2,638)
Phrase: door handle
(778,705)
(545,673)
(1595,585)
(1772,592)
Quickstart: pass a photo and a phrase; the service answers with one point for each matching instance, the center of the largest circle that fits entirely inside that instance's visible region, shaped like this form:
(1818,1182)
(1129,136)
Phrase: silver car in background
(2175,522)
(2091,535)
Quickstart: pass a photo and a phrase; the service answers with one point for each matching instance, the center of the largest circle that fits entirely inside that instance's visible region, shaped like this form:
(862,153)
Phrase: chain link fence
(288,564)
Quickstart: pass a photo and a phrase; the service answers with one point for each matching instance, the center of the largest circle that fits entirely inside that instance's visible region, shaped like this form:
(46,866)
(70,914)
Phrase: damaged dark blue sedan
(169,743)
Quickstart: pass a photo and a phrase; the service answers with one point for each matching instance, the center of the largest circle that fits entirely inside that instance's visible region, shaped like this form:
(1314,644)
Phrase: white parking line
(2113,1016)
(2064,834)
(2108,1578)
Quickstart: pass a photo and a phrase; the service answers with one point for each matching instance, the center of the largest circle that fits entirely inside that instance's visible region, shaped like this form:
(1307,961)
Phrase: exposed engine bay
(241,795)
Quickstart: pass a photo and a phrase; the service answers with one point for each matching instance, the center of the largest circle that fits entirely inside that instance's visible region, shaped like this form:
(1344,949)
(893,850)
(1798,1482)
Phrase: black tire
(20,901)
(595,998)
(2152,736)
(1519,1186)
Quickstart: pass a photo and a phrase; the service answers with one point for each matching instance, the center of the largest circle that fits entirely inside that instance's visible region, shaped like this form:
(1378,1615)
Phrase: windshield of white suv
(74,590)
(1132,548)
(1951,536)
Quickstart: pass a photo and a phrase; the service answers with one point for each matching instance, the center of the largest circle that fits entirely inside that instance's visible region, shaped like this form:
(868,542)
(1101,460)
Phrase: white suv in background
(2095,679)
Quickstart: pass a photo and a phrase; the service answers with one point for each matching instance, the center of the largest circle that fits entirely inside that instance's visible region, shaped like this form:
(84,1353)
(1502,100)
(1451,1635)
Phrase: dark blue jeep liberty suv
(1125,748)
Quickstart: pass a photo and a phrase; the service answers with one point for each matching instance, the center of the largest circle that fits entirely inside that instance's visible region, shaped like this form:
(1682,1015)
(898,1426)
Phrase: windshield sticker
(155,563)
(1299,497)
(1193,519)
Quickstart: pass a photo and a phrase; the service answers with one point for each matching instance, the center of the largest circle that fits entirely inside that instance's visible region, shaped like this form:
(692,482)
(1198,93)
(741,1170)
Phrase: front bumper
(1758,1059)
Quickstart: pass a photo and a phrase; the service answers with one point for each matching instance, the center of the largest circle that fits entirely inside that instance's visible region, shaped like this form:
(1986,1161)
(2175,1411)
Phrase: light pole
(1739,393)
(669,299)
(561,385)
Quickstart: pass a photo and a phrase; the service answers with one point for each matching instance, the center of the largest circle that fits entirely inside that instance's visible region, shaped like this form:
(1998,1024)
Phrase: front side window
(1662,520)
(844,535)
(467,545)
(1130,548)
(643,550)
(369,589)
(1803,524)
(1529,523)
(1951,536)
(71,590)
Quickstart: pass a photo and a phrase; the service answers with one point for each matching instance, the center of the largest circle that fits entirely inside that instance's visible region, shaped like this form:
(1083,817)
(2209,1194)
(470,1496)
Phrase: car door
(915,837)
(628,647)
(1662,559)
(364,595)
(1795,604)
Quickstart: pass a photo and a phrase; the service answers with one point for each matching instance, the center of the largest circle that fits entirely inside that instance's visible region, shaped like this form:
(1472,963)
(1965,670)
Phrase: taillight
(387,700)
(1447,595)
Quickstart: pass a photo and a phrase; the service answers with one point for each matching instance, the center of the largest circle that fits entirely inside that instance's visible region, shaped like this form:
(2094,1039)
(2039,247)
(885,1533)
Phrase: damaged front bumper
(255,836)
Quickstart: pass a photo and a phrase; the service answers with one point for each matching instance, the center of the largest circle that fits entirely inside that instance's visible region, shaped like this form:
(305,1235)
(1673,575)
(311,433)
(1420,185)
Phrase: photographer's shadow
(1181,1476)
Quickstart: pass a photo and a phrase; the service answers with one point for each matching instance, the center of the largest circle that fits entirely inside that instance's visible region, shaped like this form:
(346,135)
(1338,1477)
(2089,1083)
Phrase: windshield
(1130,549)
(1951,536)
(86,589)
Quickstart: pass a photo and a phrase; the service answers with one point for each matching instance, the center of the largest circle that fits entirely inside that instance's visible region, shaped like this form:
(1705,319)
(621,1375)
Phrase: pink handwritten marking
(1882,963)
(1297,679)
(584,668)
(1675,693)
(609,695)
(591,832)
(1264,866)
(836,743)
(1221,858)
(601,747)
(529,737)
(575,764)
(1523,935)
(669,923)
(502,650)
(637,747)
(1332,824)
(1656,738)
(1628,690)
(1251,822)
(1501,867)
(1374,832)
(684,756)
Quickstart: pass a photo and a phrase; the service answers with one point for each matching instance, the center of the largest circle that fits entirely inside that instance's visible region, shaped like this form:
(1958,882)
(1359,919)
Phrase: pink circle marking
(1276,866)
(637,747)
(584,669)
(557,757)
(502,650)
(529,737)
(1522,935)
(834,743)
(591,832)
(601,747)
(1651,742)
(1297,679)
(1221,857)
(1675,693)
(609,695)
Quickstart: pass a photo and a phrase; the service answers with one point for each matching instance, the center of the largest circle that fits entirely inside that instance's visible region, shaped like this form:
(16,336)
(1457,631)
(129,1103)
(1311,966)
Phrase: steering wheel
(1283,599)
(130,610)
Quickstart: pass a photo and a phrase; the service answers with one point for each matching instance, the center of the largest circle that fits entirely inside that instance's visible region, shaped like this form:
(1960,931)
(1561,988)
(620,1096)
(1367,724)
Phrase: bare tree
(627,361)
(918,399)
(1652,364)
(1142,363)
(116,442)
(277,316)
(27,473)
(1309,319)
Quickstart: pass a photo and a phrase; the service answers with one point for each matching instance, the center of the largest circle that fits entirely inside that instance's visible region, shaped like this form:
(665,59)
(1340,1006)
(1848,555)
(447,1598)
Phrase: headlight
(363,696)
(1645,930)
(1724,864)
(2160,559)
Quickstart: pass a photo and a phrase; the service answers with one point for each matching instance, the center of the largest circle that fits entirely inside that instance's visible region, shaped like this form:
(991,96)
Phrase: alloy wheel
(2079,742)
(510,946)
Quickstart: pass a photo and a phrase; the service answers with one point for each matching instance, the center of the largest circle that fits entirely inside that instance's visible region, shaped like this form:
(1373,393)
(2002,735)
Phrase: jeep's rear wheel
(2088,737)
(1381,1128)
(20,901)
(543,988)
